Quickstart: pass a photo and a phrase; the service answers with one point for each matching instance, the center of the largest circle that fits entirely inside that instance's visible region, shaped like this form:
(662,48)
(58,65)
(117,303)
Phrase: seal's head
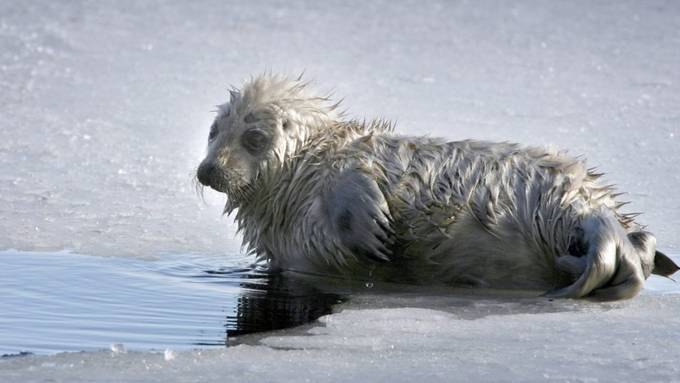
(264,123)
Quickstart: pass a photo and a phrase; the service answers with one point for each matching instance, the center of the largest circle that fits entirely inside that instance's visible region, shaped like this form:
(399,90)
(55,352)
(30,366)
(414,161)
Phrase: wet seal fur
(316,192)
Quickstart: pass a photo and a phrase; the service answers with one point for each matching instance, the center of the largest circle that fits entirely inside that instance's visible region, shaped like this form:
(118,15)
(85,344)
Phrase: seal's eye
(213,132)
(255,141)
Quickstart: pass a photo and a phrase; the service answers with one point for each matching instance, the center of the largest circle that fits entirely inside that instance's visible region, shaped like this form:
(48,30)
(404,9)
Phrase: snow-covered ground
(105,108)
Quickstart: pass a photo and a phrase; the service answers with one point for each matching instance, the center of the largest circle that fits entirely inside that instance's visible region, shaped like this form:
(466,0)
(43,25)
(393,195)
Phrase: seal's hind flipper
(614,261)
(663,265)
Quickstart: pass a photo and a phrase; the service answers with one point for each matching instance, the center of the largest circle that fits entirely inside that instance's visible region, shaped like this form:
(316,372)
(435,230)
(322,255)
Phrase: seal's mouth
(230,183)
(213,177)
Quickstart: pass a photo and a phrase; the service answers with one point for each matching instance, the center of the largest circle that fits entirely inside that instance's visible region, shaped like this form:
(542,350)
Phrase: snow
(105,113)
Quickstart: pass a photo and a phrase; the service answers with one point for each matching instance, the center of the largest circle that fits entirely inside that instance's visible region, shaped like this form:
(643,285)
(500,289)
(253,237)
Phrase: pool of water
(53,302)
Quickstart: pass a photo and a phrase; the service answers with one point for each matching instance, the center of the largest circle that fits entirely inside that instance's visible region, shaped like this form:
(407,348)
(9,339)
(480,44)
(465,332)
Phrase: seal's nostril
(205,173)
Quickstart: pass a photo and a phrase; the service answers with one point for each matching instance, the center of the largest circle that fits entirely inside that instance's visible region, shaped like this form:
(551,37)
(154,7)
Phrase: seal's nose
(205,173)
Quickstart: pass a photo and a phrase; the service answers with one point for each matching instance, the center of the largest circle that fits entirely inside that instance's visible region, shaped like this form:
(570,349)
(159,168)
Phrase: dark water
(64,302)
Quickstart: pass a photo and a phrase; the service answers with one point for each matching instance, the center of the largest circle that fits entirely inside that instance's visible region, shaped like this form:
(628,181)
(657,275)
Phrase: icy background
(105,108)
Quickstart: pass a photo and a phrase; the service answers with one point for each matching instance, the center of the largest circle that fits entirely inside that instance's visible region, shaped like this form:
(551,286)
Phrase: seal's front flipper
(359,215)
(663,265)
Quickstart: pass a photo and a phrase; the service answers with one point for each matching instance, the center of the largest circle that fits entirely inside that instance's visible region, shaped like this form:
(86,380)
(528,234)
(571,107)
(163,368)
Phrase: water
(53,302)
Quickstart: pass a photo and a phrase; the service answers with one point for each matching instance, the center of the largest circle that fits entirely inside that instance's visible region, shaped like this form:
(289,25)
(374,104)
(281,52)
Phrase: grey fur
(336,196)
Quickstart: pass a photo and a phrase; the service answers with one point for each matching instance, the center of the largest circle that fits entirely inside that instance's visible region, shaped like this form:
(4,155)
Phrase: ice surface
(106,105)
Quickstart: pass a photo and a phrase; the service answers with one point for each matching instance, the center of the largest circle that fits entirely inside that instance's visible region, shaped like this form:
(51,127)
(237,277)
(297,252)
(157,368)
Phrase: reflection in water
(283,302)
(269,301)
(65,302)
(265,301)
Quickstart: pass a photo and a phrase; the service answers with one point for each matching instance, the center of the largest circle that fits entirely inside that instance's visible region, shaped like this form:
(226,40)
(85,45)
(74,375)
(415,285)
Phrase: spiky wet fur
(353,198)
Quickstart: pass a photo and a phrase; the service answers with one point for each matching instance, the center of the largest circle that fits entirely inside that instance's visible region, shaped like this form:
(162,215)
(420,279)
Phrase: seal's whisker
(199,189)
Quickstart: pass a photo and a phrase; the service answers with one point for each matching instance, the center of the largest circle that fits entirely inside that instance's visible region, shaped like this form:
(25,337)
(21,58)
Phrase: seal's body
(317,193)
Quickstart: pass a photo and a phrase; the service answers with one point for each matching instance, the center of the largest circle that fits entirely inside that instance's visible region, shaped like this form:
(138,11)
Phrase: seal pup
(316,192)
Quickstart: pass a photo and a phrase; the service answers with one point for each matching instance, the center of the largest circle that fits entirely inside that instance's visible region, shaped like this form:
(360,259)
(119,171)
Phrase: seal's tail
(663,265)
